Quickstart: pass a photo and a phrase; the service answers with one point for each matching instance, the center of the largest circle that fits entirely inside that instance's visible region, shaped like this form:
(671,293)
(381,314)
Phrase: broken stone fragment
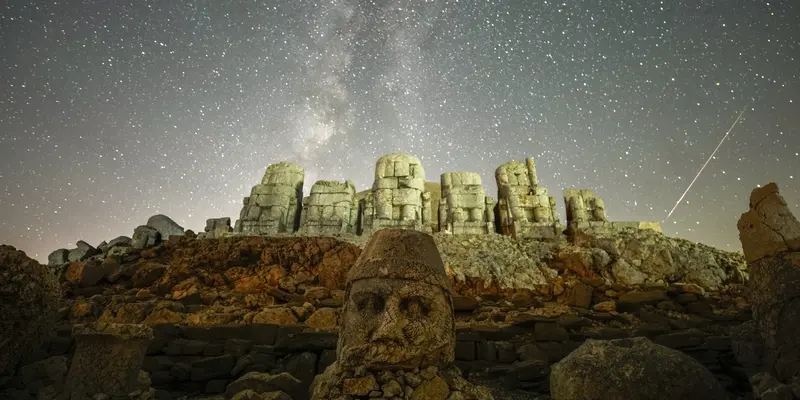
(634,368)
(769,227)
(144,237)
(108,359)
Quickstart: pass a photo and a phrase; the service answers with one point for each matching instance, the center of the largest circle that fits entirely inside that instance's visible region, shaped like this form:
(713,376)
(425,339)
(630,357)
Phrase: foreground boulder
(633,368)
(29,297)
(770,237)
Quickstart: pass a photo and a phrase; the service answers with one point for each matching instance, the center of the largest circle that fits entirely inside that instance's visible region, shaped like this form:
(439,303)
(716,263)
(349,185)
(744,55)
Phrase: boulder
(770,237)
(165,226)
(29,300)
(144,237)
(633,368)
(58,257)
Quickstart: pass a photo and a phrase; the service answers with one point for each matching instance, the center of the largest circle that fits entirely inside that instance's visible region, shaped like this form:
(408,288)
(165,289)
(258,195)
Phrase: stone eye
(369,302)
(414,305)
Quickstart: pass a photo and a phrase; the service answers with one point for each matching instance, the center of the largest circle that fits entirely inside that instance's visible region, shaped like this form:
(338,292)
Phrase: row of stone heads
(401,197)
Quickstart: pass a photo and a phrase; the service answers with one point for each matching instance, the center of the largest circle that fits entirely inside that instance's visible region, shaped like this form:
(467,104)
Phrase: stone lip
(118,331)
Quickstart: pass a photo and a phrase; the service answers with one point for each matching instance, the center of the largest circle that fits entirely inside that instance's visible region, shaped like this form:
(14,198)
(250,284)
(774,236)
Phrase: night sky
(111,112)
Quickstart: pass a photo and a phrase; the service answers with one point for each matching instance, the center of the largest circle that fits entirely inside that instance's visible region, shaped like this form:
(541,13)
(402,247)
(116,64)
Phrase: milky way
(115,111)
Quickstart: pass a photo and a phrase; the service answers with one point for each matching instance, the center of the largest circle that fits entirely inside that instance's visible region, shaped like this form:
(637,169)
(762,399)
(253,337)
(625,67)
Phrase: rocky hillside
(285,279)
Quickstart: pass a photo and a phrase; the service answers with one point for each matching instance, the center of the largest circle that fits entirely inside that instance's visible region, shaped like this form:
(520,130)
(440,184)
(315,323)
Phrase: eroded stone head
(398,312)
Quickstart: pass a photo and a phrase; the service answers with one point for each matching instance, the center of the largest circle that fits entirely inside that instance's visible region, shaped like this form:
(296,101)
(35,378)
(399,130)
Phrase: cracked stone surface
(769,227)
(107,360)
(770,236)
(397,318)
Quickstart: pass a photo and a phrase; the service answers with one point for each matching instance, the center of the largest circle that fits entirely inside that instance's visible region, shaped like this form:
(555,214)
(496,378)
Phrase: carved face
(396,324)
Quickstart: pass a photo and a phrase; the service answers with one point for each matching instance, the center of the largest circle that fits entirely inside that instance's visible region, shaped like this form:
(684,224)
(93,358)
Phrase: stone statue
(275,204)
(583,206)
(397,334)
(397,198)
(524,207)
(464,207)
(330,208)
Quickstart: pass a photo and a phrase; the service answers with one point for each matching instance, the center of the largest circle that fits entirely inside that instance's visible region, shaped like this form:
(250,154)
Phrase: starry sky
(111,112)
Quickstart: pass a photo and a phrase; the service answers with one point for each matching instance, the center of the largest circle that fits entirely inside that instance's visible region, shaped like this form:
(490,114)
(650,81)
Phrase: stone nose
(390,324)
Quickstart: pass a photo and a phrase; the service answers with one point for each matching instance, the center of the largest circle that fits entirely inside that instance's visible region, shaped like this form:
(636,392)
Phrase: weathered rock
(769,227)
(29,300)
(260,383)
(217,227)
(633,368)
(107,360)
(165,226)
(119,241)
(464,207)
(144,237)
(58,257)
(770,237)
(330,208)
(398,315)
(274,205)
(398,198)
(524,207)
(82,252)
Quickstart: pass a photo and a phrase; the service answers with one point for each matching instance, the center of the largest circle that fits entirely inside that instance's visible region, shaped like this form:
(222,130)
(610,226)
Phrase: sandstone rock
(633,368)
(165,226)
(29,300)
(770,237)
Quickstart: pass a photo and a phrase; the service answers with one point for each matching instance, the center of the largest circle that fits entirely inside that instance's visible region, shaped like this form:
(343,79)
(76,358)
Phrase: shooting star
(704,165)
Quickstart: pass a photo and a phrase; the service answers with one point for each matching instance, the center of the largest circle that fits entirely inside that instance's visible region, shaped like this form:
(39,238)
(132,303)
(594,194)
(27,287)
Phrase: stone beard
(391,324)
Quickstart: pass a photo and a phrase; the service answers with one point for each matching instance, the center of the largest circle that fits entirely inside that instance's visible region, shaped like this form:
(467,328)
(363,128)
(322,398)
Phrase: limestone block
(463,204)
(769,227)
(275,204)
(523,206)
(398,197)
(144,237)
(107,360)
(165,226)
(328,208)
(58,257)
(217,227)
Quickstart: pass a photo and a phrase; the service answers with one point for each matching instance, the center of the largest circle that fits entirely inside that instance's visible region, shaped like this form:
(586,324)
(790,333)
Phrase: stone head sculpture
(398,312)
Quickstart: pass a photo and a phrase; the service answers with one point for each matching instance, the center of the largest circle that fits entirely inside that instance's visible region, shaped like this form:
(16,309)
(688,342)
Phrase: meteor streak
(704,165)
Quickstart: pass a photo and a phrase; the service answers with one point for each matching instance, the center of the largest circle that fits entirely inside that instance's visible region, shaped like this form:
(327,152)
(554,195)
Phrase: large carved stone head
(398,312)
